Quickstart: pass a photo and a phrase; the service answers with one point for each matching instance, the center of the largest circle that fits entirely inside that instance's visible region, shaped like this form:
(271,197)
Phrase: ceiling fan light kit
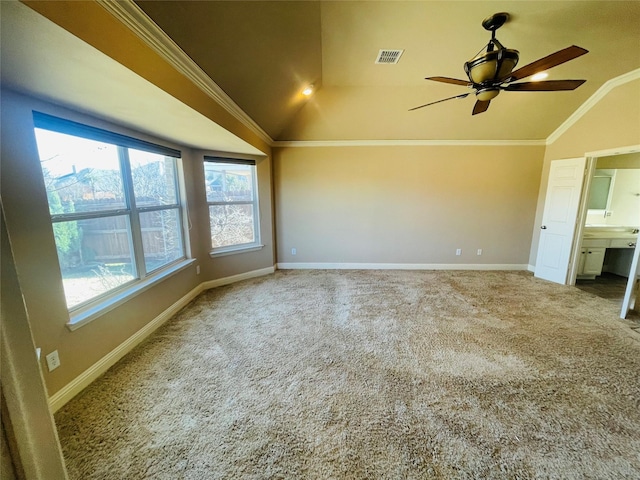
(491,66)
(491,70)
(487,94)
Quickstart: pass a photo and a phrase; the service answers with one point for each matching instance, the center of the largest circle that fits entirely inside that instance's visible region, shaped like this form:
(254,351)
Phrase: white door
(559,219)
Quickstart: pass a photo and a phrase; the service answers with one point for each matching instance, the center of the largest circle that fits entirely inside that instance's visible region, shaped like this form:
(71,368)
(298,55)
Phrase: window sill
(224,251)
(86,315)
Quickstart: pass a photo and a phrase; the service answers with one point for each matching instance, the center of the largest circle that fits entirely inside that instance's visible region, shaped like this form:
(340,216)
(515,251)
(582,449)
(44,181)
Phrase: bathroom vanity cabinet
(596,243)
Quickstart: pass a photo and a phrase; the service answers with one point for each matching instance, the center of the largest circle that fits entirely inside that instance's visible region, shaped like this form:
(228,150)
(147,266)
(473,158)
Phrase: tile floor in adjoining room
(610,287)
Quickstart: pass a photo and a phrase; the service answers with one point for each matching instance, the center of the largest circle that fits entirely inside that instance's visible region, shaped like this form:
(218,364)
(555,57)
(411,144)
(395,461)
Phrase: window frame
(144,277)
(241,247)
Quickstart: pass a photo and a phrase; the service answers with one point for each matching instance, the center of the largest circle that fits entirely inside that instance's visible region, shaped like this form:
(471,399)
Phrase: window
(601,190)
(232,196)
(115,207)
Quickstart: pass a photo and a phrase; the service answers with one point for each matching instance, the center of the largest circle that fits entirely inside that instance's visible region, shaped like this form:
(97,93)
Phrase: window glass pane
(231,225)
(161,237)
(95,256)
(227,182)
(154,178)
(80,175)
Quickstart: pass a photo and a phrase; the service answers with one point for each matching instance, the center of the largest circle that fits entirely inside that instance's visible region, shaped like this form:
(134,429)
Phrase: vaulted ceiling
(263,53)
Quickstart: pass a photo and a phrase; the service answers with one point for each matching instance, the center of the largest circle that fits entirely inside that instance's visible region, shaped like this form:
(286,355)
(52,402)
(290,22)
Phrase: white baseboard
(401,266)
(531,268)
(62,396)
(237,278)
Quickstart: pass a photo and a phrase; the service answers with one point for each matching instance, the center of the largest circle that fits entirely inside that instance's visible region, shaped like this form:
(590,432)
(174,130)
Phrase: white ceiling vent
(389,56)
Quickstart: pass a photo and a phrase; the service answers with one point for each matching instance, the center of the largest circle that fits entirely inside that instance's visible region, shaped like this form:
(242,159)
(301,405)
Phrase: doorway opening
(609,221)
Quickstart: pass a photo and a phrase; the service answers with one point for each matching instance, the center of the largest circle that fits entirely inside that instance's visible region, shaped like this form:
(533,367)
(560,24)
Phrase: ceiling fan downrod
(488,68)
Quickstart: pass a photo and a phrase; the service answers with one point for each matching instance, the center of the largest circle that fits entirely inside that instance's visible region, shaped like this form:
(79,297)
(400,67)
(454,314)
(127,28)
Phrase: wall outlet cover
(53,360)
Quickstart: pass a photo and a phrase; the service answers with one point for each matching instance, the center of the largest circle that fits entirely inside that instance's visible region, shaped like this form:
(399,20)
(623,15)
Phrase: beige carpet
(370,374)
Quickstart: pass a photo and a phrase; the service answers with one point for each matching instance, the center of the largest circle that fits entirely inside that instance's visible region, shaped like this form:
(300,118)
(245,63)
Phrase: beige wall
(28,223)
(35,449)
(613,122)
(406,204)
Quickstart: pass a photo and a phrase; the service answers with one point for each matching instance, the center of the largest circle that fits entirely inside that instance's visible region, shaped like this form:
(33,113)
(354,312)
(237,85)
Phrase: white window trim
(224,251)
(96,309)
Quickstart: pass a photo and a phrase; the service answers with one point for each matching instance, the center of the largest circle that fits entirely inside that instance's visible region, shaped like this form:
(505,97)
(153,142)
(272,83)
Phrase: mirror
(614,193)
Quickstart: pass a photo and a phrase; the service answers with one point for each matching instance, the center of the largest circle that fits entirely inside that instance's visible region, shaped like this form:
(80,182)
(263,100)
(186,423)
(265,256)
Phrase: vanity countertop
(613,232)
(625,235)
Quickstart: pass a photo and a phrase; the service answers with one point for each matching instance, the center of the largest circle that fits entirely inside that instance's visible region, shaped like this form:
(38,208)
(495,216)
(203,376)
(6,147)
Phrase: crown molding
(407,143)
(591,102)
(133,17)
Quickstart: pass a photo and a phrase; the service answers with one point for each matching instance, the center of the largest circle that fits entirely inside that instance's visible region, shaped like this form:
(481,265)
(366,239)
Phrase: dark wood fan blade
(548,86)
(480,106)
(443,100)
(454,81)
(547,62)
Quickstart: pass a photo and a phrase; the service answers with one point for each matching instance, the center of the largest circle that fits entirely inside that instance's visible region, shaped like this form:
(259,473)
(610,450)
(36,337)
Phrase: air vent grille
(389,56)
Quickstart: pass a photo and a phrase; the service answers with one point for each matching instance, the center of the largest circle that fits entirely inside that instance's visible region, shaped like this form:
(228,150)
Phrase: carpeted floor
(370,374)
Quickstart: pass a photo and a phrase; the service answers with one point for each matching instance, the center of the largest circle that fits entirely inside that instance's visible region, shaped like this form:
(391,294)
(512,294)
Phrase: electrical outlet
(293,251)
(53,360)
(197,269)
(479,251)
(459,251)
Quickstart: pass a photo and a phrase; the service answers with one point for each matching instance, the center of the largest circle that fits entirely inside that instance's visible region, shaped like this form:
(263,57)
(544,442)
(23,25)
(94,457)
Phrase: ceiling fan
(491,70)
